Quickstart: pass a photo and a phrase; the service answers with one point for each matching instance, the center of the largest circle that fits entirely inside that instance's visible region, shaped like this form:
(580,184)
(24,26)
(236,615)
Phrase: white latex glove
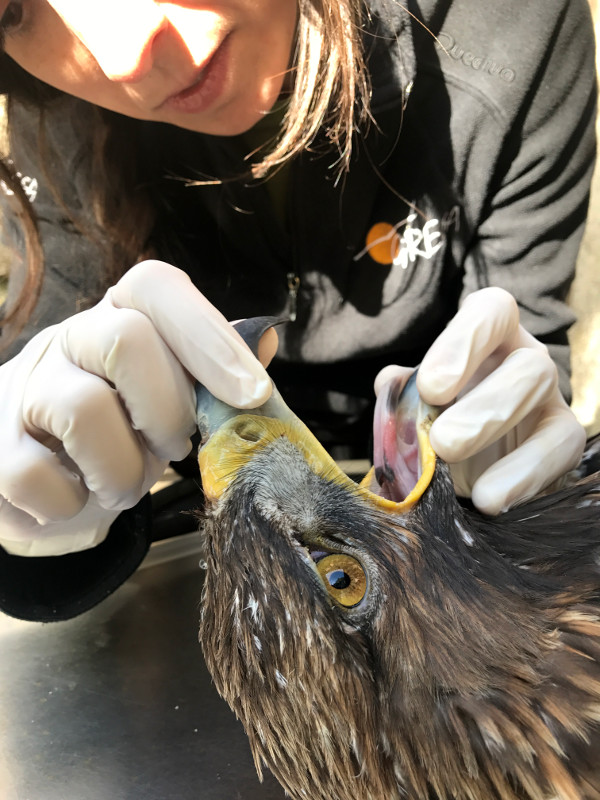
(93,409)
(510,434)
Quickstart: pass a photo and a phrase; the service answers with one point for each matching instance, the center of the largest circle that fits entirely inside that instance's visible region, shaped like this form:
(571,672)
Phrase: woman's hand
(93,409)
(506,432)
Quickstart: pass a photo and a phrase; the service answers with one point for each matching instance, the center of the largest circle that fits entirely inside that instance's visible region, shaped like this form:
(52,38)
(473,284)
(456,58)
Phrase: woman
(362,168)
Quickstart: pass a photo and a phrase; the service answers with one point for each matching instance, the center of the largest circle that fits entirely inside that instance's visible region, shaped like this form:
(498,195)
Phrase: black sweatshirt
(475,171)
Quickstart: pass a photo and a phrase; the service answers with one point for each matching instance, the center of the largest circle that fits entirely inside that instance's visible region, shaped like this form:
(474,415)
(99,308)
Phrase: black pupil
(338,579)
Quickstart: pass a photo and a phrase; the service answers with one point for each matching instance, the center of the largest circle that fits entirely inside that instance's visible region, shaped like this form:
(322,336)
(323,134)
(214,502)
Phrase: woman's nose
(119,34)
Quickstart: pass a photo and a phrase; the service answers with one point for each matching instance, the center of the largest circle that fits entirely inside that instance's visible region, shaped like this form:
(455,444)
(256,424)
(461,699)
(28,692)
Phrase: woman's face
(213,66)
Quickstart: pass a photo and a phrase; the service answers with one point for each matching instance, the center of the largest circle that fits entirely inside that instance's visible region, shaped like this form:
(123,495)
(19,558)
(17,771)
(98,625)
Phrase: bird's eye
(344,578)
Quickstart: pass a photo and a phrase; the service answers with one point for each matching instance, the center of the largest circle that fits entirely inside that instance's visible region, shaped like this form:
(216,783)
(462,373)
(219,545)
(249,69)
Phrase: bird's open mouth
(403,459)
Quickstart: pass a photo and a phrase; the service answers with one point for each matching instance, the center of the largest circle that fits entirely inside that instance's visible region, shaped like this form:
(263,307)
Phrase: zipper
(295,206)
(293,285)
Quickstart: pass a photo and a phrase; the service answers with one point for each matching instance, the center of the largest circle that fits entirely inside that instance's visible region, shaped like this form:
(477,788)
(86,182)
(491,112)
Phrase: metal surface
(117,704)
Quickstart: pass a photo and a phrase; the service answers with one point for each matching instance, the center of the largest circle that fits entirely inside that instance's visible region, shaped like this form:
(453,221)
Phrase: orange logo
(403,243)
(383,243)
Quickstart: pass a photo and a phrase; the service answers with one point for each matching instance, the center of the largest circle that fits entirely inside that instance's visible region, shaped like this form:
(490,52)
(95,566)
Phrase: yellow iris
(344,578)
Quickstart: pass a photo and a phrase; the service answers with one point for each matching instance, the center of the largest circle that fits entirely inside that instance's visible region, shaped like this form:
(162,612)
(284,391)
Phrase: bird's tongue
(395,443)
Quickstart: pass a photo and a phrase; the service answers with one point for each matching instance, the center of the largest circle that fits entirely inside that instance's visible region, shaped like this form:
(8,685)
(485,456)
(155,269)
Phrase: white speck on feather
(464,534)
(281,681)
(308,636)
(252,607)
(357,752)
(259,730)
(258,644)
(588,503)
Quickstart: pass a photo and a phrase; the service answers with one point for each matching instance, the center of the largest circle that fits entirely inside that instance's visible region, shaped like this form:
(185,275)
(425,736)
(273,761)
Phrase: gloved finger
(123,347)
(526,380)
(554,447)
(38,482)
(22,535)
(201,338)
(389,373)
(486,323)
(84,413)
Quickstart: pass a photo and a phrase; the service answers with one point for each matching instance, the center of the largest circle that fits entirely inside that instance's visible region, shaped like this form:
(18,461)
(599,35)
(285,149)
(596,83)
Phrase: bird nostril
(248,431)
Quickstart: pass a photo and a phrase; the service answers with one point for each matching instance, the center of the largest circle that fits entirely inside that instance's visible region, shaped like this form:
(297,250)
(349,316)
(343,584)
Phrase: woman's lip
(207,86)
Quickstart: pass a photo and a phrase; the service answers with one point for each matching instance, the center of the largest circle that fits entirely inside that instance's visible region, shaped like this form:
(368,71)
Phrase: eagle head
(379,640)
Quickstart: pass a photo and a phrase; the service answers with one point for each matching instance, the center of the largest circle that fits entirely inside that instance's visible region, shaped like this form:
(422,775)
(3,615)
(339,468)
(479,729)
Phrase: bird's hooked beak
(404,461)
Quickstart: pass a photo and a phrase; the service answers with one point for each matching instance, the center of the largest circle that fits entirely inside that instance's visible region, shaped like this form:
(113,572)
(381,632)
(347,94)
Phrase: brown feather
(470,671)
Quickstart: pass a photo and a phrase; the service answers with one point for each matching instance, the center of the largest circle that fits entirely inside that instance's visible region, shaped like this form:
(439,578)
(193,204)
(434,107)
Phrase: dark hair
(330,93)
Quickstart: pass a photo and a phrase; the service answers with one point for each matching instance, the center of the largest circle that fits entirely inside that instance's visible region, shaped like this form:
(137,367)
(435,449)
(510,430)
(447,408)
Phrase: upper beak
(231,437)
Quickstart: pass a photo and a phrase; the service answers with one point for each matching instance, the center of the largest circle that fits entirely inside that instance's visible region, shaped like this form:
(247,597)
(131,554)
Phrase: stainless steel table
(117,704)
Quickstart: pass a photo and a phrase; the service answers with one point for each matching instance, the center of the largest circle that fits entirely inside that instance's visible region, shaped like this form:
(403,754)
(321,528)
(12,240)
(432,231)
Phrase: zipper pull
(406,94)
(293,284)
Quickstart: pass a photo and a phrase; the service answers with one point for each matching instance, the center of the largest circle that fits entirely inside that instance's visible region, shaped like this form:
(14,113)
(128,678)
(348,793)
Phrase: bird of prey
(382,641)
